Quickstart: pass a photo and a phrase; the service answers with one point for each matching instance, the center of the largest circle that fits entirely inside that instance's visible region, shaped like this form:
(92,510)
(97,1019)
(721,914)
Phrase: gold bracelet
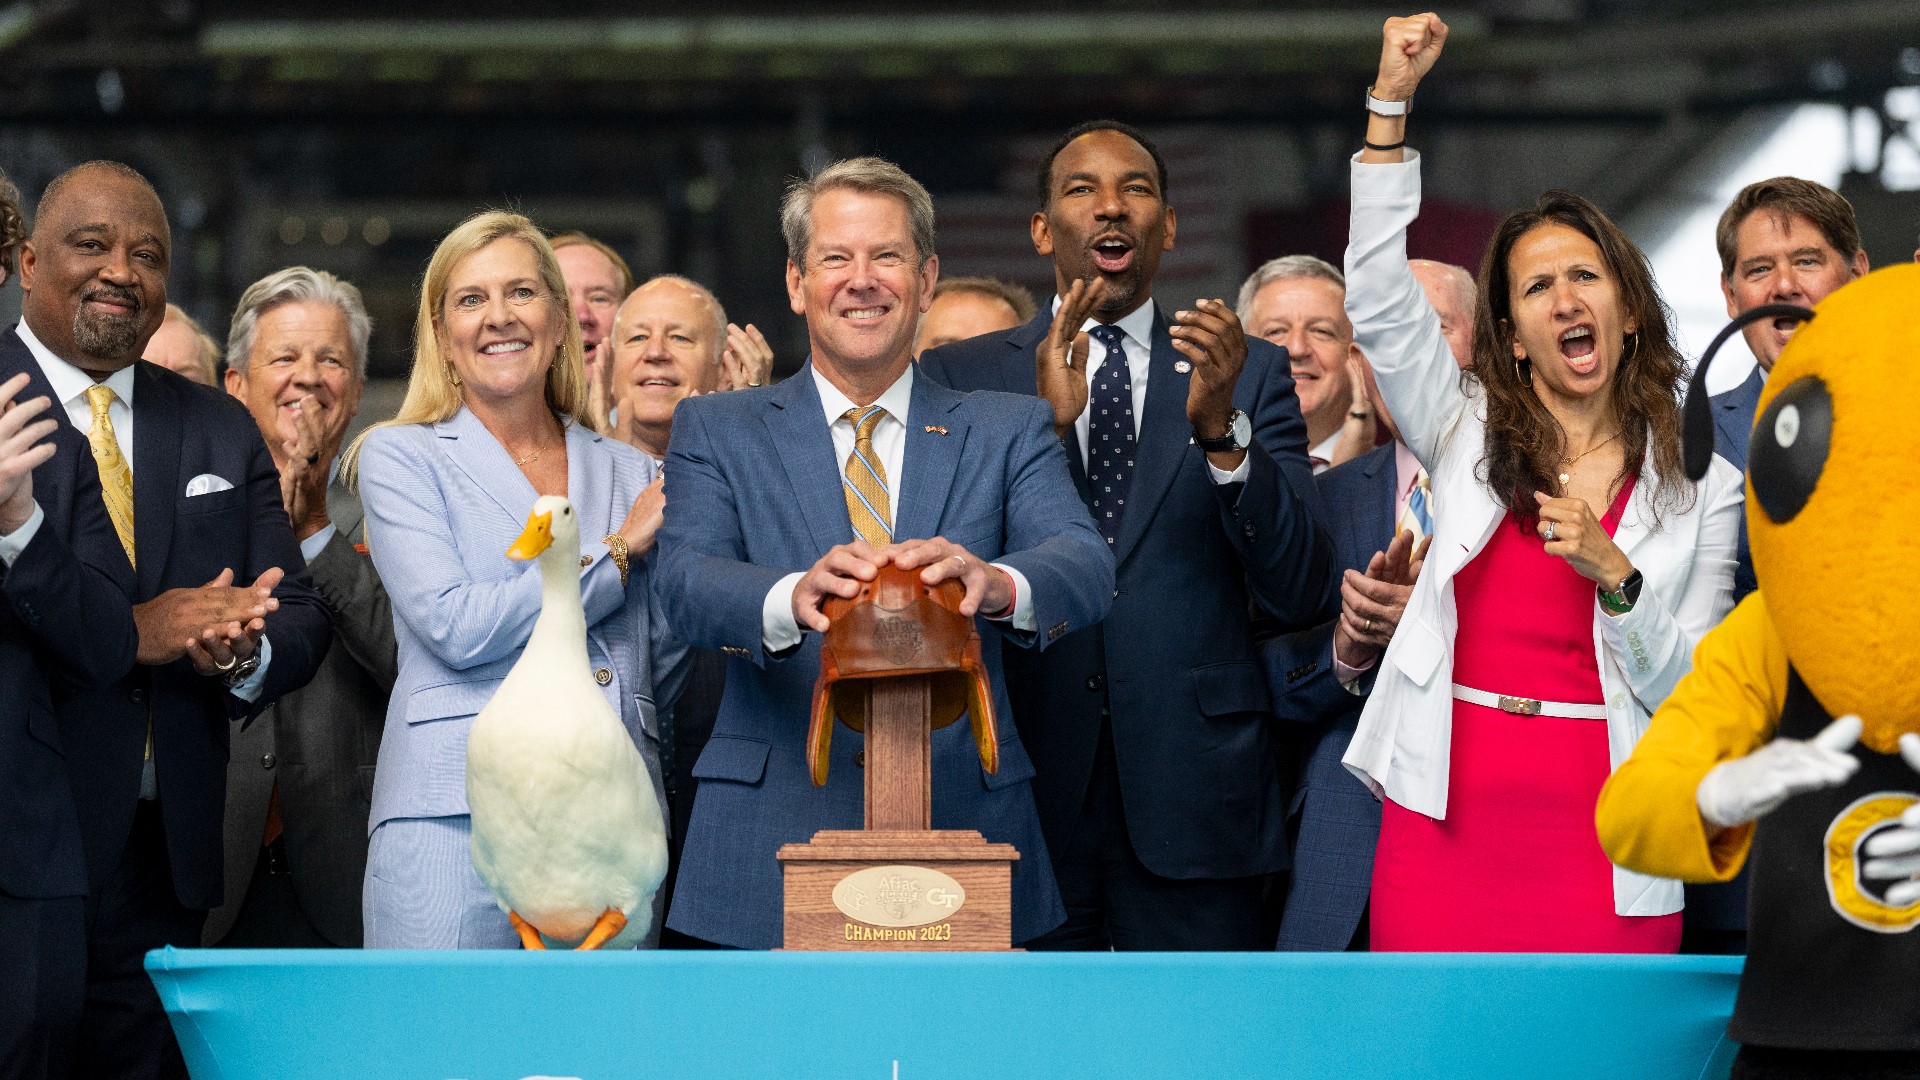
(617,551)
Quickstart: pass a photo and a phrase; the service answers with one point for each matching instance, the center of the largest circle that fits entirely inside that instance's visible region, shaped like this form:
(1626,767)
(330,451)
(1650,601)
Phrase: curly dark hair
(13,227)
(1525,445)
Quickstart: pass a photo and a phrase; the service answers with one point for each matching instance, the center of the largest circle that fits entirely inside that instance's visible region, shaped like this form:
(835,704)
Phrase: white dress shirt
(1136,330)
(779,630)
(70,386)
(1321,457)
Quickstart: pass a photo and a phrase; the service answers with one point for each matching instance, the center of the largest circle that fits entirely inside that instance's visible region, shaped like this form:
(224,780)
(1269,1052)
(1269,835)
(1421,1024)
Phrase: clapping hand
(303,482)
(1357,431)
(1060,362)
(1210,337)
(1372,604)
(215,625)
(747,361)
(1894,854)
(21,451)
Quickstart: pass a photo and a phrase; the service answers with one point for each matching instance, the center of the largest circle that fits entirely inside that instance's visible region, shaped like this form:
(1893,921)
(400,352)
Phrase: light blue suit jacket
(443,504)
(753,494)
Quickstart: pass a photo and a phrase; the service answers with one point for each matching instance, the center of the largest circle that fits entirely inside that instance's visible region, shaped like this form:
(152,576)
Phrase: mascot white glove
(1738,791)
(1895,853)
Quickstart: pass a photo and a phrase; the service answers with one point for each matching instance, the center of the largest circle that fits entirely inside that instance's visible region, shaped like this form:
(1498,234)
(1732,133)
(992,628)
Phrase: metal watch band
(1387,108)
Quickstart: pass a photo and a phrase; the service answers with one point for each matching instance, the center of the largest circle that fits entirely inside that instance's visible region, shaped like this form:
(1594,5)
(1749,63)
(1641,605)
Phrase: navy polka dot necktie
(1110,436)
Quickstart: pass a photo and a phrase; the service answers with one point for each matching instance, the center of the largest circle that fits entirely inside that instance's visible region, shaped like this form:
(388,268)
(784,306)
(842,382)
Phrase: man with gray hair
(300,777)
(1298,302)
(784,496)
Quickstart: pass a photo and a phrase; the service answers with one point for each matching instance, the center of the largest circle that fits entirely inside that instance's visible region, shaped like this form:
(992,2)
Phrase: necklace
(1567,476)
(535,456)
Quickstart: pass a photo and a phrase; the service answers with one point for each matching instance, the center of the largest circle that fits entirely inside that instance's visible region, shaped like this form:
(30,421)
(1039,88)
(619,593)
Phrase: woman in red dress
(1572,569)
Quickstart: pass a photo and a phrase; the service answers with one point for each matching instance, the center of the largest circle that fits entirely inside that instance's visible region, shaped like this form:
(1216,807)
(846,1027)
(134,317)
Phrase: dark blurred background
(351,135)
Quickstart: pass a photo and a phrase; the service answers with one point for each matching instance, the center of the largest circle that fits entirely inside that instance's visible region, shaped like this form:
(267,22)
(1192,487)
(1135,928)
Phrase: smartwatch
(1620,599)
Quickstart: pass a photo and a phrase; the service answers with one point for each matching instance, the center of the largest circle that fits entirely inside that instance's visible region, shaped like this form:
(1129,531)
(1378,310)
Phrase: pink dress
(1516,866)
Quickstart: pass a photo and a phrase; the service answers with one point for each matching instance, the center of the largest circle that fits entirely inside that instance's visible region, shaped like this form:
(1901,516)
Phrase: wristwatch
(241,671)
(1620,599)
(1239,435)
(1381,107)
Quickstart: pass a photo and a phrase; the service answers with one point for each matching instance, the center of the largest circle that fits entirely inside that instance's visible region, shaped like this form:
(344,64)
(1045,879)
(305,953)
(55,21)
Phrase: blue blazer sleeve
(711,596)
(1051,537)
(1300,673)
(1274,520)
(464,619)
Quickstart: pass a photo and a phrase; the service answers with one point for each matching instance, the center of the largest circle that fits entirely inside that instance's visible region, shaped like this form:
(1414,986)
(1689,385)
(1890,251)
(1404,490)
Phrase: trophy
(898,661)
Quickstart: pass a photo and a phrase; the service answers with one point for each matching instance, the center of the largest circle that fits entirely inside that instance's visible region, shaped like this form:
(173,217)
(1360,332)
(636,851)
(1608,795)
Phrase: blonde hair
(432,395)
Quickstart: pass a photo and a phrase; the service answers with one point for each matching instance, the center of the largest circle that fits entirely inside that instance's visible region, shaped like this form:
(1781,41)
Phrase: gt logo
(1858,901)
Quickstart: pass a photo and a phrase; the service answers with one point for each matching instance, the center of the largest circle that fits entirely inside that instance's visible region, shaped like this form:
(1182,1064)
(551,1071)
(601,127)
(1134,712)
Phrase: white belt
(1526,706)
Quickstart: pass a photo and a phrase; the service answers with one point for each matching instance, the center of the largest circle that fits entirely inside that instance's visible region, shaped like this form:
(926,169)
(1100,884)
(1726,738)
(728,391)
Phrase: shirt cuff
(1237,476)
(249,691)
(310,547)
(1021,618)
(1351,677)
(778,631)
(13,544)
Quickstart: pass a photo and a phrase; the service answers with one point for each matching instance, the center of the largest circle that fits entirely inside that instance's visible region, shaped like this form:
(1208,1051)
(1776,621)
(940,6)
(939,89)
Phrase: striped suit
(443,503)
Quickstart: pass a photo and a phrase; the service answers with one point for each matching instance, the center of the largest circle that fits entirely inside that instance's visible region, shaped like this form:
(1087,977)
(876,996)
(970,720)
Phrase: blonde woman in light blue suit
(489,425)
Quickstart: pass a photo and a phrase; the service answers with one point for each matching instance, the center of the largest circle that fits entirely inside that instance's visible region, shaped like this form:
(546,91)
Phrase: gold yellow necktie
(116,480)
(116,484)
(865,482)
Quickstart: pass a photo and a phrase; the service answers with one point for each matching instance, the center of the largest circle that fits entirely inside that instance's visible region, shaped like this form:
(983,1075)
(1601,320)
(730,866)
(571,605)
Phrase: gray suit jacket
(320,743)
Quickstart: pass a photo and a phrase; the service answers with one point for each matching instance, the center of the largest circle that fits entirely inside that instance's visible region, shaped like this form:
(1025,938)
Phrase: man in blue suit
(225,618)
(65,624)
(780,497)
(1152,734)
(1379,510)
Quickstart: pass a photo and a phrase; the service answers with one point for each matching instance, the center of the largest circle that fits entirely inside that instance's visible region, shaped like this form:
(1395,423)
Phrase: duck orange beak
(535,539)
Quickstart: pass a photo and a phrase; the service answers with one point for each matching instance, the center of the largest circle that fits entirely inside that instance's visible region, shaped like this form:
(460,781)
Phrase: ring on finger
(232,662)
(962,560)
(1549,534)
(1368,626)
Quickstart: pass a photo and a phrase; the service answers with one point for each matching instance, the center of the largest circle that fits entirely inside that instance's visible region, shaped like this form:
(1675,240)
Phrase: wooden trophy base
(899,891)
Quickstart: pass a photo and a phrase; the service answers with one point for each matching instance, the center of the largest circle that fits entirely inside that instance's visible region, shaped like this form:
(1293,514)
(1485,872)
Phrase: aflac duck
(567,830)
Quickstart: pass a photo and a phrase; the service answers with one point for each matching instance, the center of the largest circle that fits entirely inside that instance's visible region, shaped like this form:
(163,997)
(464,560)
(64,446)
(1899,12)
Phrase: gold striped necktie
(116,480)
(865,482)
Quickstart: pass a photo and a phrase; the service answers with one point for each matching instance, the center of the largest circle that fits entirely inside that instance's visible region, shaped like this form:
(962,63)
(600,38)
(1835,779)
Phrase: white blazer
(1405,733)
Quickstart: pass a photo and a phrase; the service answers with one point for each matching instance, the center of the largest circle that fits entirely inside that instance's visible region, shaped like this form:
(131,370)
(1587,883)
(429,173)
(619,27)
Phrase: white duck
(567,830)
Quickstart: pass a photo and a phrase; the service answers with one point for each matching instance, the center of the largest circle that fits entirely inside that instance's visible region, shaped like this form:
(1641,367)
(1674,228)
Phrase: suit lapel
(472,448)
(805,448)
(1383,468)
(931,460)
(1636,521)
(1165,439)
(157,434)
(587,473)
(343,509)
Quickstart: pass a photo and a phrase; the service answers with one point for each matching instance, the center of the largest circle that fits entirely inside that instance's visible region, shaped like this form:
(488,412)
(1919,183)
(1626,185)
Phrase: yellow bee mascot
(1745,762)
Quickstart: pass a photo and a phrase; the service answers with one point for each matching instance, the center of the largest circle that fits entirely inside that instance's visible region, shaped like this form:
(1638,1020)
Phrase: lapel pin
(1182,366)
(936,429)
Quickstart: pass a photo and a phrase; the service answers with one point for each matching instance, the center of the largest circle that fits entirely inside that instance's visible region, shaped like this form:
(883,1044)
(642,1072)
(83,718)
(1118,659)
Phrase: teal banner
(293,1015)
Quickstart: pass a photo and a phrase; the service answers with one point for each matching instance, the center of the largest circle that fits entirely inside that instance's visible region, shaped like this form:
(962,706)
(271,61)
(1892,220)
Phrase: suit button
(138,697)
(586,561)
(266,761)
(1248,530)
(860,759)
(1618,701)
(1096,683)
(602,676)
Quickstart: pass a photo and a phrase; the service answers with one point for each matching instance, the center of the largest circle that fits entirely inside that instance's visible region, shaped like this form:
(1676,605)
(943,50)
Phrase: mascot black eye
(1789,450)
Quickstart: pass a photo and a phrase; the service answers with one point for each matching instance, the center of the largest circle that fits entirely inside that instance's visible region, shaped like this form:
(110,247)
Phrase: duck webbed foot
(611,922)
(529,937)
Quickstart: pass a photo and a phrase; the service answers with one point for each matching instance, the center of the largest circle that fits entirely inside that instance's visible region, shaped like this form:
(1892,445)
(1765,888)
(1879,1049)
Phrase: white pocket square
(206,484)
